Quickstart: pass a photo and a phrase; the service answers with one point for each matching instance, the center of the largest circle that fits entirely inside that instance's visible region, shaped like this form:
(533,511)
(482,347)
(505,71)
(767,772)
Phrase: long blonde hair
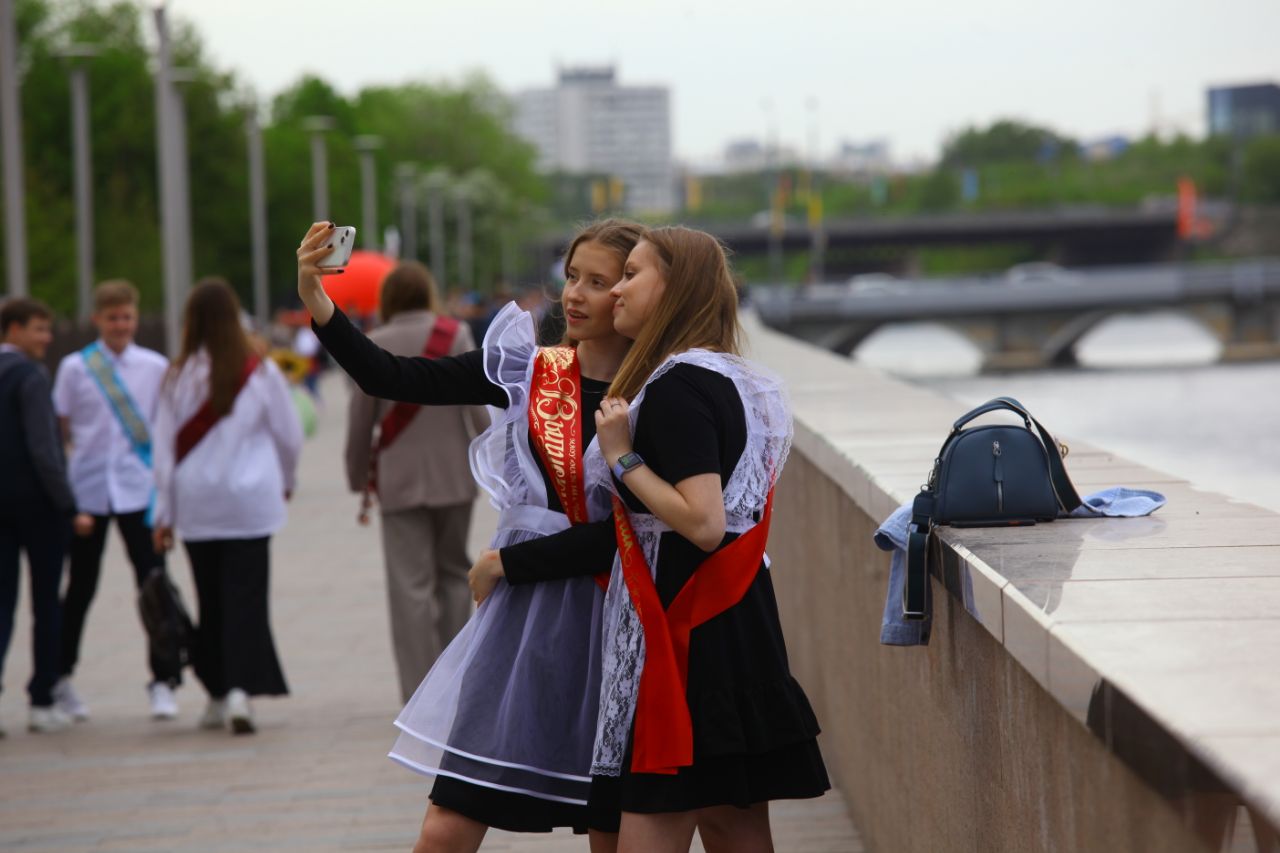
(698,307)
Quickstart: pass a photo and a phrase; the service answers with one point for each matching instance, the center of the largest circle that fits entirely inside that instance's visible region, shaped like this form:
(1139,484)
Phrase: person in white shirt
(227,439)
(105,398)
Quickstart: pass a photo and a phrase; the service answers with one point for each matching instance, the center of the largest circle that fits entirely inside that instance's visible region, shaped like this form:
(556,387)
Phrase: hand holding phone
(343,241)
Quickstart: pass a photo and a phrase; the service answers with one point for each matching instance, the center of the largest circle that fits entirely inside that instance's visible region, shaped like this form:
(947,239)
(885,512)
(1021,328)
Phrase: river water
(1149,388)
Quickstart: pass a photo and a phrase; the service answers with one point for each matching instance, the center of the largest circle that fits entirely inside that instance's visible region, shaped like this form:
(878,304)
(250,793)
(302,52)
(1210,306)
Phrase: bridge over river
(1036,320)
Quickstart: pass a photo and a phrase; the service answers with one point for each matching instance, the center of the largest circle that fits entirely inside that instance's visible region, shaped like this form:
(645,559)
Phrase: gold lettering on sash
(554,421)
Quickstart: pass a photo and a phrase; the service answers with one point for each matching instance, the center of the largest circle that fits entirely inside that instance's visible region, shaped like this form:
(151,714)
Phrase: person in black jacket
(36,503)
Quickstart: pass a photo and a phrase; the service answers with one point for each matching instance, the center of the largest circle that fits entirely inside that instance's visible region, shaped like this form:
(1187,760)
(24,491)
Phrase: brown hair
(21,311)
(408,287)
(114,293)
(697,308)
(212,321)
(617,235)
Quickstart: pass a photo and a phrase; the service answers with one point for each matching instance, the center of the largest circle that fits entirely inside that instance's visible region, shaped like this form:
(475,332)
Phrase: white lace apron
(769,431)
(511,703)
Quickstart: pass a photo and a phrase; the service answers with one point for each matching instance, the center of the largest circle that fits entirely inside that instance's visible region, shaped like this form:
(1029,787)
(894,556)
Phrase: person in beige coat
(422,478)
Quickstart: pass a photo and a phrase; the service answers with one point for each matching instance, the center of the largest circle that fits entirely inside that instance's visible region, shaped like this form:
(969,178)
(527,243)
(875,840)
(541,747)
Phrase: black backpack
(169,626)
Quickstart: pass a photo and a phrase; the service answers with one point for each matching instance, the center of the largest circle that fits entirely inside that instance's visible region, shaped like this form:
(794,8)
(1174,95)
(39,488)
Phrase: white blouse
(232,484)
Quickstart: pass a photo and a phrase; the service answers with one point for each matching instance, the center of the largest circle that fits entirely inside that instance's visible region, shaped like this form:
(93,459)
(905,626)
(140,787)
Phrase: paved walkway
(315,777)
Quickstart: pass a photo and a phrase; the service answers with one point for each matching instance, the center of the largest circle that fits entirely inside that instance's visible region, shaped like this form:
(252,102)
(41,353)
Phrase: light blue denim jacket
(1117,502)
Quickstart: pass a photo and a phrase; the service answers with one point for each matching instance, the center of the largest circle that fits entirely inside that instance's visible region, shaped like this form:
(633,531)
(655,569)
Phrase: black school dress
(754,730)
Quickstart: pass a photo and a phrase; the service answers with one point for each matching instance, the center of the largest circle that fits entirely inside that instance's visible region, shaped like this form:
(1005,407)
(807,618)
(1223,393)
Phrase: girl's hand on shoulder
(613,428)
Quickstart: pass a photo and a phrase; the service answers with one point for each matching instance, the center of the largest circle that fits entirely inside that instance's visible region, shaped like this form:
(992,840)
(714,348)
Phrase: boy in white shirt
(105,396)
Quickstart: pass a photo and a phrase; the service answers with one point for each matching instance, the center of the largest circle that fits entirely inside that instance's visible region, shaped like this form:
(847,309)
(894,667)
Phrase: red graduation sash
(438,344)
(663,740)
(555,423)
(199,424)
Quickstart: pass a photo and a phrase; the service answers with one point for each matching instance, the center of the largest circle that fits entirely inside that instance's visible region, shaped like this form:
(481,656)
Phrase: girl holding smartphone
(506,718)
(701,723)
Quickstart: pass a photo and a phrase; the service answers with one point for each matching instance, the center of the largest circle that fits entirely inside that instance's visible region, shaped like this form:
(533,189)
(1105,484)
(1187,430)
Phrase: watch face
(629,460)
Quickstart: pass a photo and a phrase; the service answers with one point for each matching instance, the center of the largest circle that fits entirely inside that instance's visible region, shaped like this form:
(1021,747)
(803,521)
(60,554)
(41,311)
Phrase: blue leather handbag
(988,476)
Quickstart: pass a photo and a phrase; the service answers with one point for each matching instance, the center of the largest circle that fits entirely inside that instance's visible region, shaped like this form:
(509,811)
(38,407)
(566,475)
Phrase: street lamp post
(406,174)
(258,218)
(462,204)
(318,126)
(434,186)
(77,57)
(366,145)
(175,207)
(15,214)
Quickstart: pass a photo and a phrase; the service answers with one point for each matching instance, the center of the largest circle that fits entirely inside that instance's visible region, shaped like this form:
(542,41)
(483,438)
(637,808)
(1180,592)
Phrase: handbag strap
(1067,495)
(915,582)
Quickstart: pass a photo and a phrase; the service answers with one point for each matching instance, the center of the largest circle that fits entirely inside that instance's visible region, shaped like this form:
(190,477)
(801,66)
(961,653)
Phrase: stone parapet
(1091,684)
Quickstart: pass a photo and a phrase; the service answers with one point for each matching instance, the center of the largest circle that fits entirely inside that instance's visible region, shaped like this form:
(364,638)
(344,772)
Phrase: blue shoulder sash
(121,402)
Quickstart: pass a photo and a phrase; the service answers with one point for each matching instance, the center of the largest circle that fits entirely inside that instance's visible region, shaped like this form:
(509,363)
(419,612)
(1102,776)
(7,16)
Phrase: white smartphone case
(344,240)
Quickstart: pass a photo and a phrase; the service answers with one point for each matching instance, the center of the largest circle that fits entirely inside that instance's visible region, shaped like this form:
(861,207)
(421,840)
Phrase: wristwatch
(627,462)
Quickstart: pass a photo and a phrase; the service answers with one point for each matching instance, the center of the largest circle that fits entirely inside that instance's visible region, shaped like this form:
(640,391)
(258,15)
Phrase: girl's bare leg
(669,832)
(602,842)
(728,829)
(447,831)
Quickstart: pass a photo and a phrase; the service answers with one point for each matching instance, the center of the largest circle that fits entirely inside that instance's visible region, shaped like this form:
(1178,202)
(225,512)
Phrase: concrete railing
(1091,684)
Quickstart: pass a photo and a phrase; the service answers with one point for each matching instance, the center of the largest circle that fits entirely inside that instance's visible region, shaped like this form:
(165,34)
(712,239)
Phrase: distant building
(863,158)
(1244,111)
(744,155)
(751,155)
(588,124)
(1106,148)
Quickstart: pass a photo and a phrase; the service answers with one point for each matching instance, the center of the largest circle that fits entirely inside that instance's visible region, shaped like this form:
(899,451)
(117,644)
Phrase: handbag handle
(1066,492)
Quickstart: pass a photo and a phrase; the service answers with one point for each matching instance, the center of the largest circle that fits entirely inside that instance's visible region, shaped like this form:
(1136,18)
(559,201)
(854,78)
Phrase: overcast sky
(909,71)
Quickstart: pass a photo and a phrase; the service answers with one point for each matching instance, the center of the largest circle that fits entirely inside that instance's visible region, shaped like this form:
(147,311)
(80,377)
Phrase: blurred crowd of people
(104,442)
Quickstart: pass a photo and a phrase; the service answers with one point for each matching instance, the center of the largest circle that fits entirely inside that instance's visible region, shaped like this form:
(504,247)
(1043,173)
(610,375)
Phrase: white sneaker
(239,712)
(48,719)
(68,701)
(215,715)
(163,704)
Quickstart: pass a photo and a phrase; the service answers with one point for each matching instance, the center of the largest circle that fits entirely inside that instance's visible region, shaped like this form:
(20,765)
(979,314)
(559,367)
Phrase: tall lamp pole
(15,214)
(367,145)
(318,126)
(462,201)
(175,204)
(258,218)
(434,186)
(405,176)
(77,57)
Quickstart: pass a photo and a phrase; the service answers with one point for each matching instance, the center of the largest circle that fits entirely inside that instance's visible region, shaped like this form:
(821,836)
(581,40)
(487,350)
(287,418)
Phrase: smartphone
(344,240)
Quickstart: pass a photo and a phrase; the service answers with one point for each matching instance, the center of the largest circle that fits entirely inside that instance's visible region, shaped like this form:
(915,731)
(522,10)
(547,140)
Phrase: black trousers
(233,644)
(44,538)
(86,568)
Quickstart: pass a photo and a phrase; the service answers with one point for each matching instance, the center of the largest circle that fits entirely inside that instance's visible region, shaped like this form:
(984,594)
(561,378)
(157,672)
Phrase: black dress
(753,728)
(461,380)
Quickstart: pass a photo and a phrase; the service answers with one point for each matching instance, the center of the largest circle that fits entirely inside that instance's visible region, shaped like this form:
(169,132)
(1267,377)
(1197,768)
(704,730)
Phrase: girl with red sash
(700,722)
(506,718)
(226,444)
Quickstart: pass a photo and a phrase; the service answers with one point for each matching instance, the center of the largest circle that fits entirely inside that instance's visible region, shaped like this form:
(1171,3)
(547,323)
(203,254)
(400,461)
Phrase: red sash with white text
(663,740)
(555,422)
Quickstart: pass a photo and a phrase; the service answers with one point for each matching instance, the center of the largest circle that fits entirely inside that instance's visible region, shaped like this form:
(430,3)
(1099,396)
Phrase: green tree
(1006,141)
(1260,170)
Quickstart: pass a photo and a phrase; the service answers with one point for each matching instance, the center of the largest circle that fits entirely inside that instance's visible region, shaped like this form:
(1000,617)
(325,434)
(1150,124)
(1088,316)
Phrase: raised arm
(454,380)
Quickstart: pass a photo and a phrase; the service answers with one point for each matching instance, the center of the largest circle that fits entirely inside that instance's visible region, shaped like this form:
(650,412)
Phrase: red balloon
(356,290)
